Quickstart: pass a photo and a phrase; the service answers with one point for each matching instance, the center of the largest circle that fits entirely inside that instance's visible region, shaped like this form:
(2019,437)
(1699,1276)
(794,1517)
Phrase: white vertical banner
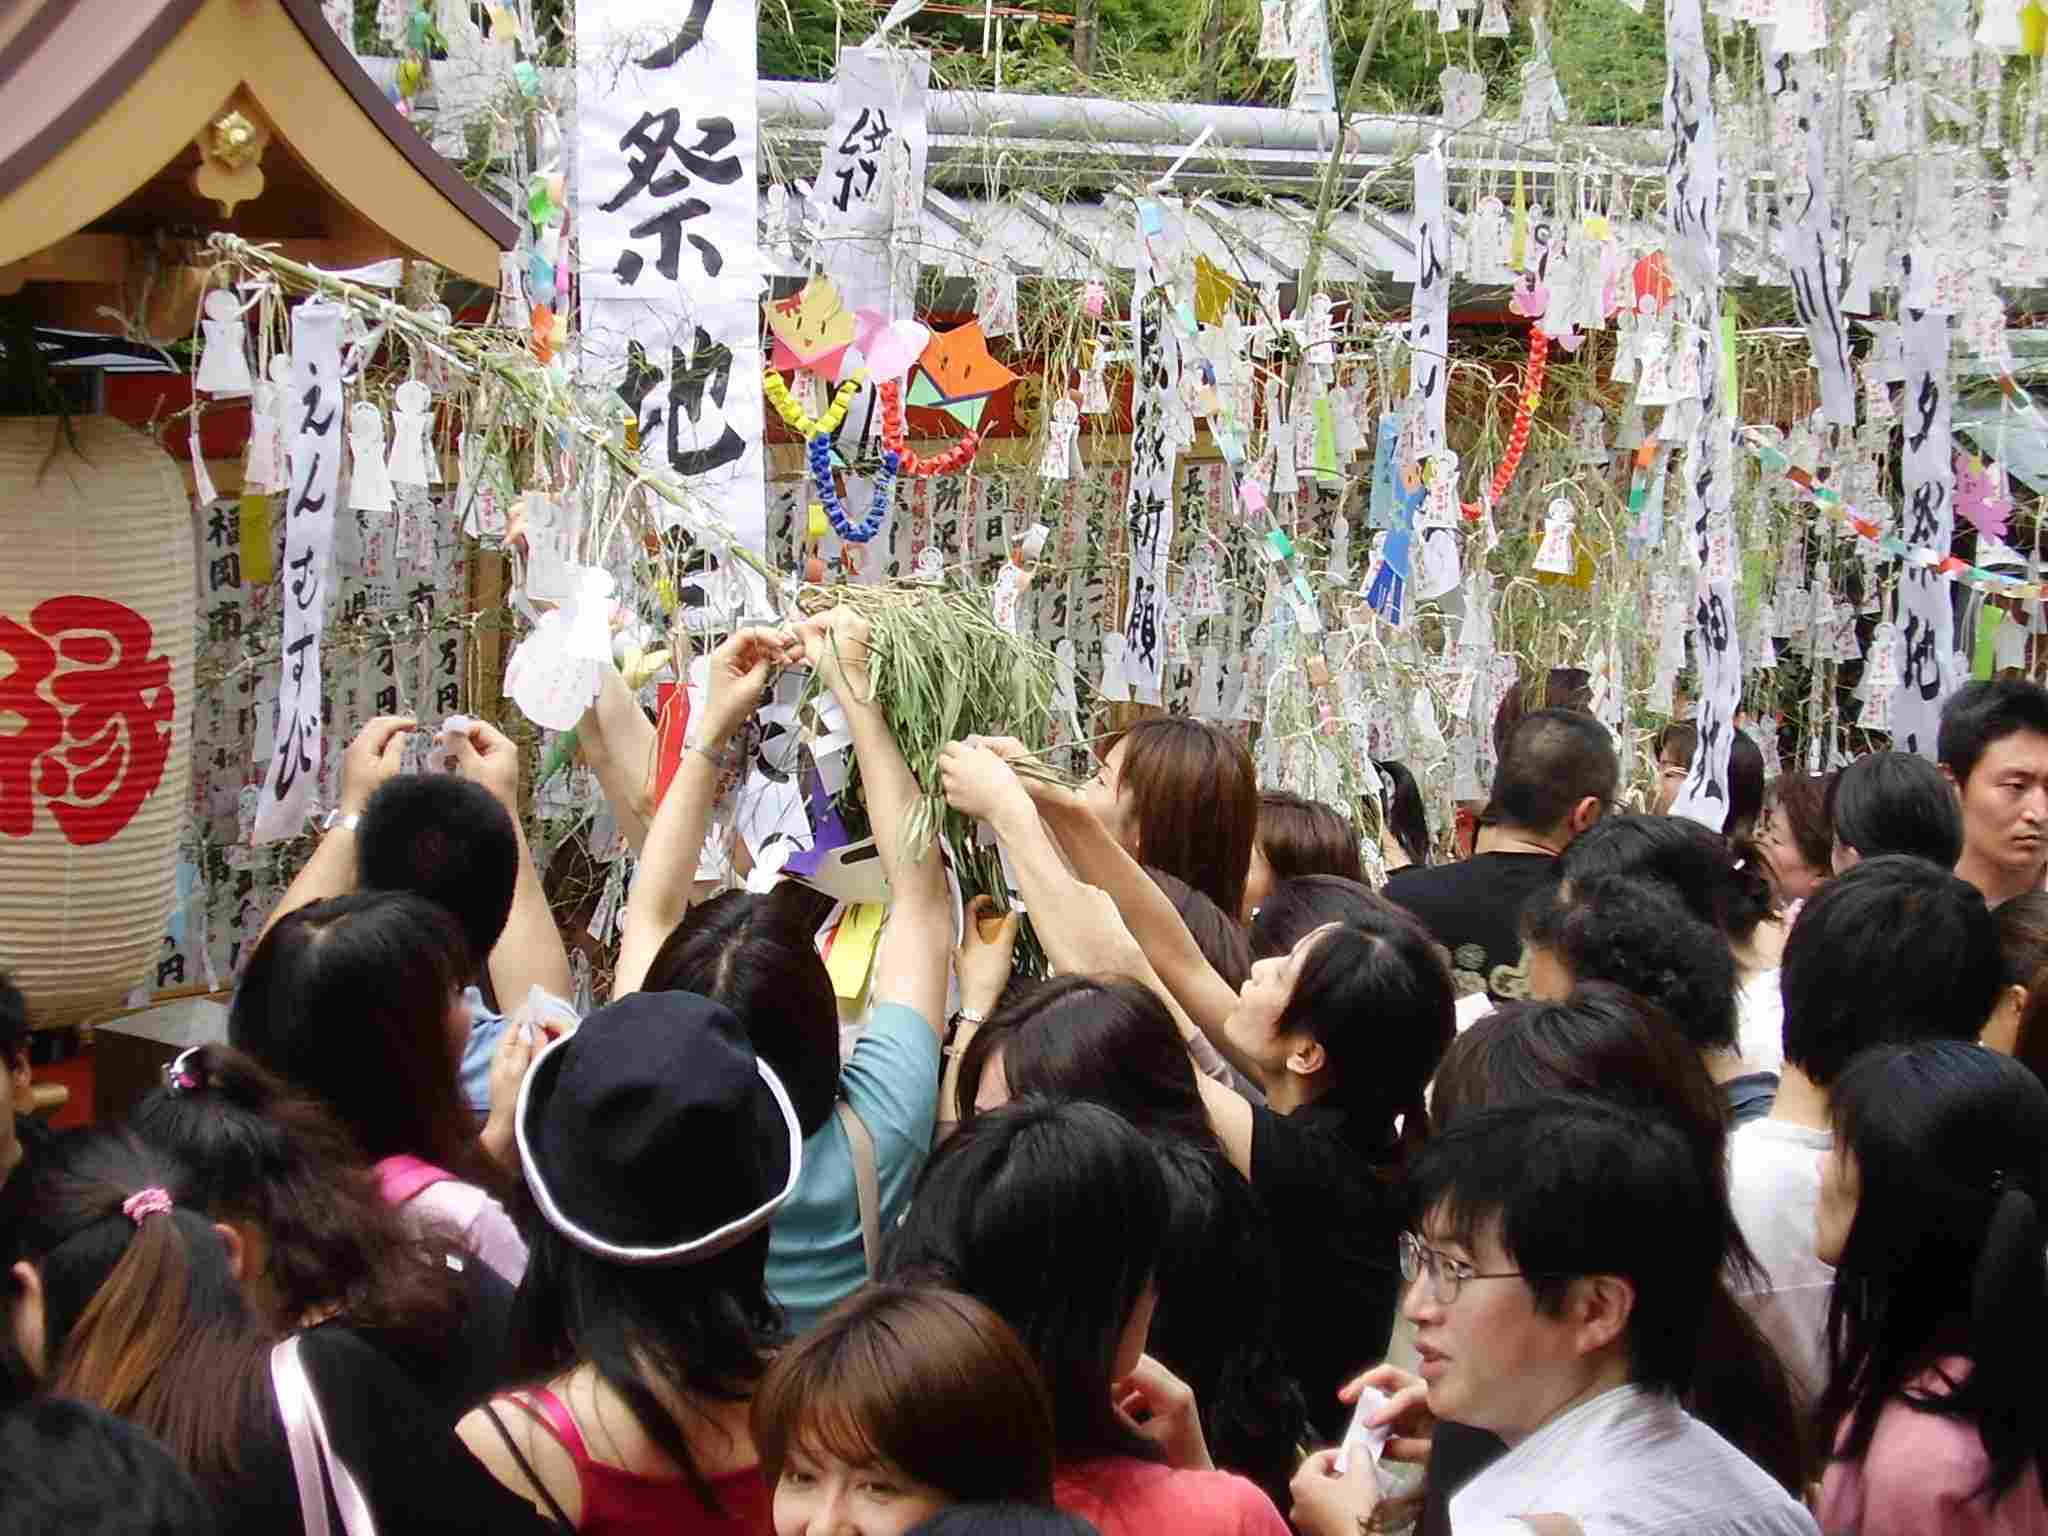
(314,417)
(1926,621)
(1809,241)
(1429,312)
(1148,509)
(868,202)
(669,252)
(1692,166)
(877,142)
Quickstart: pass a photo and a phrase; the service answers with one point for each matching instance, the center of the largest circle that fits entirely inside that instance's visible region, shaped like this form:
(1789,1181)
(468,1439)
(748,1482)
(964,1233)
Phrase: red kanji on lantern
(96,712)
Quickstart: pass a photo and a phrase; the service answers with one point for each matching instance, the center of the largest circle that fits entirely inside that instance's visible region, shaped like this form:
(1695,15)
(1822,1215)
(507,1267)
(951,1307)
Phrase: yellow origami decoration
(812,329)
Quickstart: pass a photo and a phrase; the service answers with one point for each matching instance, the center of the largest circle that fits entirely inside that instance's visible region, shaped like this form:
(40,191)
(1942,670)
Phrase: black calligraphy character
(647,175)
(170,971)
(863,147)
(1923,665)
(224,572)
(1925,526)
(305,581)
(707,370)
(1432,268)
(387,701)
(313,421)
(1712,757)
(307,501)
(692,33)
(1713,622)
(224,622)
(1927,403)
(653,139)
(218,534)
(293,756)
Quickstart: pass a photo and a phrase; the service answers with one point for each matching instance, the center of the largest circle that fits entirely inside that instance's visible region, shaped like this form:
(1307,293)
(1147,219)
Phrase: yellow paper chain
(807,426)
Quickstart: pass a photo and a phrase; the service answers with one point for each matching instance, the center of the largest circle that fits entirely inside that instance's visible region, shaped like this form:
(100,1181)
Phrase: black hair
(1638,934)
(702,1331)
(1676,742)
(250,1147)
(1296,908)
(1944,1255)
(1720,882)
(449,840)
(1055,1216)
(1578,1186)
(754,953)
(1300,836)
(142,1314)
(1402,810)
(14,1024)
(1896,950)
(1980,713)
(78,1469)
(1552,760)
(351,999)
(1896,802)
(1745,788)
(1106,1041)
(1002,1520)
(1611,1045)
(1378,997)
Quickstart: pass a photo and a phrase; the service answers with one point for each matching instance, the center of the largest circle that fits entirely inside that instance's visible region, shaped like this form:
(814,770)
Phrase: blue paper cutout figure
(1387,593)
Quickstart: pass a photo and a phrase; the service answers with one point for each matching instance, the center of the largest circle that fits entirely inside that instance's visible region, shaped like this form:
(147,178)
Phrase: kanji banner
(1926,620)
(666,189)
(314,422)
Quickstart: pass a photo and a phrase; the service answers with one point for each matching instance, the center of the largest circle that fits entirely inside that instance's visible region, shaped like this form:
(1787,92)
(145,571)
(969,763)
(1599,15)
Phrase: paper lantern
(96,633)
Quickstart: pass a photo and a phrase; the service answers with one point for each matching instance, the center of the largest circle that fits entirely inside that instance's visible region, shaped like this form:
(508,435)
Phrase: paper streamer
(1926,619)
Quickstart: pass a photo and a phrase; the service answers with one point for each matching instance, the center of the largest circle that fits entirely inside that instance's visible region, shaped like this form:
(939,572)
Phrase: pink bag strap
(400,1178)
(315,1467)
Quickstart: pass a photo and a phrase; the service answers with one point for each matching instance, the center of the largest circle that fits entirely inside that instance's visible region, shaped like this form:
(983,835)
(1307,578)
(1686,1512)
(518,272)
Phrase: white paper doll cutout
(224,366)
(412,407)
(369,485)
(1094,387)
(1202,595)
(1115,686)
(1464,94)
(1275,41)
(261,471)
(1493,19)
(1556,556)
(1589,435)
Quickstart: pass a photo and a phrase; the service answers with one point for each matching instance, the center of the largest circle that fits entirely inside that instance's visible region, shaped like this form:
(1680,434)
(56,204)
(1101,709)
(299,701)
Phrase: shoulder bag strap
(315,1467)
(867,1189)
(526,1468)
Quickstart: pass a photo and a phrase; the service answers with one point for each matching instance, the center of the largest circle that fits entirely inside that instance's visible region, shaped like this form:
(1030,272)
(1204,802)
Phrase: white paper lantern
(96,633)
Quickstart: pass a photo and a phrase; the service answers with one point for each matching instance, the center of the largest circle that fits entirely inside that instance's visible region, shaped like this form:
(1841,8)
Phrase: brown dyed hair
(250,1148)
(1802,799)
(1195,800)
(142,1318)
(1220,937)
(1307,837)
(928,1380)
(2023,940)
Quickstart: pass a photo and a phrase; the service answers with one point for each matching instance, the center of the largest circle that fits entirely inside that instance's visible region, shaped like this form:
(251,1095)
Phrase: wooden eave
(102,103)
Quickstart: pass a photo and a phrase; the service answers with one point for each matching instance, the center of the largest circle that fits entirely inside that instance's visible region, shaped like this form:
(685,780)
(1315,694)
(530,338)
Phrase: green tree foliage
(1609,61)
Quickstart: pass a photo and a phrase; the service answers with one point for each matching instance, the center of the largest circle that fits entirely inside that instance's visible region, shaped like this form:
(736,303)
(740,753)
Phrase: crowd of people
(1621,1175)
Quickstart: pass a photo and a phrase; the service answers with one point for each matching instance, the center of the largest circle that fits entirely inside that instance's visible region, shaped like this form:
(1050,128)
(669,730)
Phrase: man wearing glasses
(1566,1254)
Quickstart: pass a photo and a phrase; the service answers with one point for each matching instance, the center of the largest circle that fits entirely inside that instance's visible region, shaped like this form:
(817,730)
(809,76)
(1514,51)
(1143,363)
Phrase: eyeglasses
(1446,1274)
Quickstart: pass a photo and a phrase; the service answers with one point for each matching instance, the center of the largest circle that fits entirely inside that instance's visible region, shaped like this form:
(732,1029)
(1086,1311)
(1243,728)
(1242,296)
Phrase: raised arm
(1100,860)
(1080,927)
(917,947)
(617,740)
(738,674)
(374,756)
(529,951)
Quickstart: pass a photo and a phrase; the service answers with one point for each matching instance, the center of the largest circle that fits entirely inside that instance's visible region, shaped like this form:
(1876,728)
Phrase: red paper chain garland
(1518,439)
(954,458)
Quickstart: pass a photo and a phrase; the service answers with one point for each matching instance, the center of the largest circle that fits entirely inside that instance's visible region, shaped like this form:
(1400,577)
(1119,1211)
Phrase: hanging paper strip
(1693,206)
(1429,326)
(1926,620)
(868,203)
(1148,511)
(1811,240)
(294,758)
(670,246)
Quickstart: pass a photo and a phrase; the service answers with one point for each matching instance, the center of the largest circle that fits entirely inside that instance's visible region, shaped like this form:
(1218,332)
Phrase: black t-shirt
(1474,909)
(468,1366)
(413,1471)
(1335,1220)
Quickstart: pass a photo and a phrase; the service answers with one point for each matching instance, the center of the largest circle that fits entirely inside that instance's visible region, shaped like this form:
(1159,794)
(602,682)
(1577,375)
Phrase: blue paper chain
(828,493)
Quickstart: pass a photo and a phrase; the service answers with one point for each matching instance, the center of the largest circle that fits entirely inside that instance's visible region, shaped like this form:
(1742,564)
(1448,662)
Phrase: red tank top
(621,1503)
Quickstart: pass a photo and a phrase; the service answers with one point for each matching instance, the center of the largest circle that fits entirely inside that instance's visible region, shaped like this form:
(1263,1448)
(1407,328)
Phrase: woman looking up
(1182,795)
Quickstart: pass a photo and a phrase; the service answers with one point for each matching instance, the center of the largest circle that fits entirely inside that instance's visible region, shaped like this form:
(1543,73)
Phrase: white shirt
(1773,1182)
(1760,1022)
(1628,1463)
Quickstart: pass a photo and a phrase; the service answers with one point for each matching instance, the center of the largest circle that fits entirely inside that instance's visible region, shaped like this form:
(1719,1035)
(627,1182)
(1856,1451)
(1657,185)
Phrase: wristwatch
(335,818)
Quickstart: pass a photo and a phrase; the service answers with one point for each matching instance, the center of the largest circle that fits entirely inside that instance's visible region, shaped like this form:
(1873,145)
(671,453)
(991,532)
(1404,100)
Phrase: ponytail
(2007,1289)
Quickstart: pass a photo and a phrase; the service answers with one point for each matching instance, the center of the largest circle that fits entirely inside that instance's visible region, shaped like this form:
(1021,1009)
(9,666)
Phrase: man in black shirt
(1557,774)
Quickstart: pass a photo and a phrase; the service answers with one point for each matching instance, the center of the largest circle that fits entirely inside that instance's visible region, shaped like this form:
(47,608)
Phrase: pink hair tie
(145,1202)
